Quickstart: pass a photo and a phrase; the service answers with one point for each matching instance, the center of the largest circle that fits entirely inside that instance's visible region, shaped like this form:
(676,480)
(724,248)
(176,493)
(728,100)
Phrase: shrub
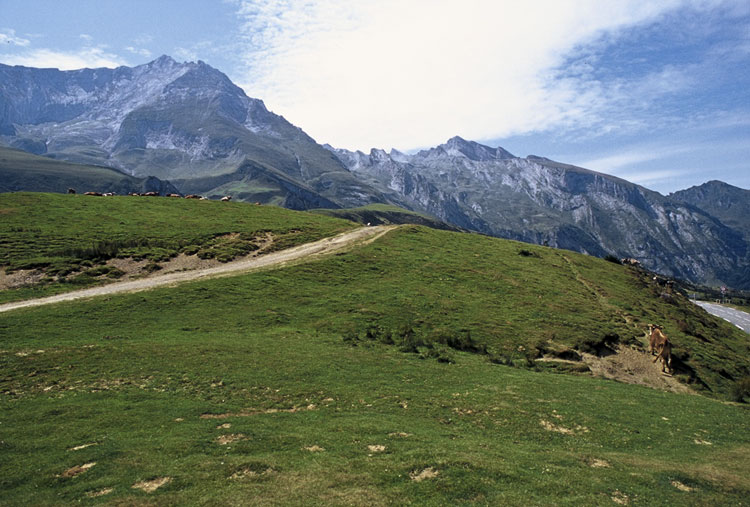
(612,258)
(741,389)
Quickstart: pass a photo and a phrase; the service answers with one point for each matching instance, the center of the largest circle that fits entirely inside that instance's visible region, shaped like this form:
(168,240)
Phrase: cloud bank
(400,74)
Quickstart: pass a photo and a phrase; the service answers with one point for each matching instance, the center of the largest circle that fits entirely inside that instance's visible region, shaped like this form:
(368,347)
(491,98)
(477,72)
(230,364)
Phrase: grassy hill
(22,171)
(69,238)
(380,214)
(401,371)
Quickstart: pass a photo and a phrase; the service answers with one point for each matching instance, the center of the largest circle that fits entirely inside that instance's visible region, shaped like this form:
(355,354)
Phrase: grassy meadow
(403,371)
(70,237)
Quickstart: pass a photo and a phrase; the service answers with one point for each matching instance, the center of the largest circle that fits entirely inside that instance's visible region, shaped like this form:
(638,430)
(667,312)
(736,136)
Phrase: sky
(657,93)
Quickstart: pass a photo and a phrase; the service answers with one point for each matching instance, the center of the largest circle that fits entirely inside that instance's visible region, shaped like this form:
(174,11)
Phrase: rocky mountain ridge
(177,121)
(538,200)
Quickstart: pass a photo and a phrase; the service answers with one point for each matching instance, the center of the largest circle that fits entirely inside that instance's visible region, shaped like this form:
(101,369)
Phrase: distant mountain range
(189,124)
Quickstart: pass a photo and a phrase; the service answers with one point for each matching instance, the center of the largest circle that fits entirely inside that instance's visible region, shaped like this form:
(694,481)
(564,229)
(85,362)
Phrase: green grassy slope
(378,214)
(64,234)
(254,388)
(22,171)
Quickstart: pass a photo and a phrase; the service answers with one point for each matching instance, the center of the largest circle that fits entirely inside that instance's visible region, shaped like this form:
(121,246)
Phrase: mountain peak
(164,60)
(457,146)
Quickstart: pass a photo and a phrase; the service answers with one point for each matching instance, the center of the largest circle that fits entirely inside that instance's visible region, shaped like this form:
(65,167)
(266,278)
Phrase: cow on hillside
(226,198)
(659,343)
(98,194)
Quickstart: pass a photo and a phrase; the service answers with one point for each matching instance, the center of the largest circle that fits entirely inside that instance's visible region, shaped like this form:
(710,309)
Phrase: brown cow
(151,194)
(659,343)
(98,194)
(192,196)
(174,195)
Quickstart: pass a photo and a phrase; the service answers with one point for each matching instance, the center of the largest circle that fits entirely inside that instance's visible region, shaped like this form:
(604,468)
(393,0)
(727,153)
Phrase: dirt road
(304,252)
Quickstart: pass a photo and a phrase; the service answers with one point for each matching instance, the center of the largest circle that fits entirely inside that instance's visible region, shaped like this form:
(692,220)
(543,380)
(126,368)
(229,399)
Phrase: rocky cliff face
(171,120)
(541,201)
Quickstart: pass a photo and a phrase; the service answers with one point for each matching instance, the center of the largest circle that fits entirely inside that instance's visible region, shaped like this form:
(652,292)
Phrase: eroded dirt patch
(314,448)
(561,429)
(230,438)
(254,411)
(421,475)
(82,446)
(20,278)
(151,485)
(597,463)
(633,366)
(681,486)
(76,470)
(101,492)
(376,448)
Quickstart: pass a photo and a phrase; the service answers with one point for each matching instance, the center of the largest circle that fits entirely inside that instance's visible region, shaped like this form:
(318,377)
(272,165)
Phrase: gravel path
(302,252)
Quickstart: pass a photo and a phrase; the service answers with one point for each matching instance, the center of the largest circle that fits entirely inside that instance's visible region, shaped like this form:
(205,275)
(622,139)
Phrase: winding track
(304,252)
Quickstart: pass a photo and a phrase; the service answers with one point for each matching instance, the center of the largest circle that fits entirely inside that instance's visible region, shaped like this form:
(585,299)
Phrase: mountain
(21,171)
(729,204)
(185,122)
(538,200)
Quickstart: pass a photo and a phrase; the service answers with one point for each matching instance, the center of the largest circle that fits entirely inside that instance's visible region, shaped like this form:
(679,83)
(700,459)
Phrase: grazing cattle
(629,261)
(659,343)
(192,196)
(71,190)
(93,193)
(108,194)
(135,194)
(151,194)
(226,198)
(174,195)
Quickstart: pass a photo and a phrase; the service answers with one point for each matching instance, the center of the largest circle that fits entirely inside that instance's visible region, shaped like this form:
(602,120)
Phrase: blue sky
(654,92)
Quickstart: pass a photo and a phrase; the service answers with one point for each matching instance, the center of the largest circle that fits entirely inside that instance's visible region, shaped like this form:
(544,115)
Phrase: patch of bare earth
(681,486)
(633,366)
(230,438)
(20,278)
(620,498)
(253,411)
(151,485)
(561,429)
(421,475)
(76,470)
(314,448)
(376,448)
(597,463)
(82,446)
(248,473)
(101,492)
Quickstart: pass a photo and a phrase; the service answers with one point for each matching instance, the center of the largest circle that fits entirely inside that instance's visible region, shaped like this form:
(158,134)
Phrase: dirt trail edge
(304,252)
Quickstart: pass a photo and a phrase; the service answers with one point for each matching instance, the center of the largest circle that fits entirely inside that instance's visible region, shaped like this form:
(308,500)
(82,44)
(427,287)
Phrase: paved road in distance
(738,318)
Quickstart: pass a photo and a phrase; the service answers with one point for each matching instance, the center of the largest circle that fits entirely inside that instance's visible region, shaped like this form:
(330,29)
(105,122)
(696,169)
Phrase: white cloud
(139,51)
(360,74)
(86,37)
(64,60)
(8,36)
